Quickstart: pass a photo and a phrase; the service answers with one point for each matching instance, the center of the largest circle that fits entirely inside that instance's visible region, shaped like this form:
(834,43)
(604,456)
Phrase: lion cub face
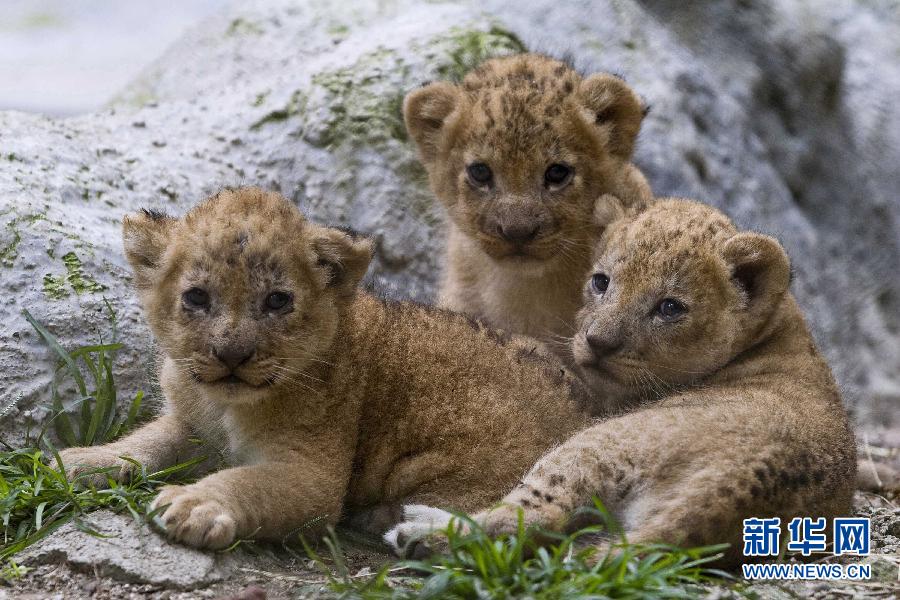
(519,152)
(676,293)
(243,294)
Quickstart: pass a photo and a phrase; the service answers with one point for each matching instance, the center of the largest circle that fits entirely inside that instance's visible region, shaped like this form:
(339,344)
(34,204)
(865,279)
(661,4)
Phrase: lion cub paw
(79,462)
(195,517)
(420,534)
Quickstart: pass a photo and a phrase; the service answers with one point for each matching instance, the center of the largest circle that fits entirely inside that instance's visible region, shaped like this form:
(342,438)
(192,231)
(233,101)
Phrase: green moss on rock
(9,251)
(468,48)
(358,107)
(338,30)
(243,27)
(363,106)
(76,277)
(260,98)
(57,287)
(295,106)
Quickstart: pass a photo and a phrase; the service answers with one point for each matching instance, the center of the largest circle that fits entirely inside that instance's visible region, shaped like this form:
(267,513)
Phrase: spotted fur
(729,411)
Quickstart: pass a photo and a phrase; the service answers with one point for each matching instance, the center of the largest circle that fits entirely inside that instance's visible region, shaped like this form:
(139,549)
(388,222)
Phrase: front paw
(422,532)
(195,516)
(82,464)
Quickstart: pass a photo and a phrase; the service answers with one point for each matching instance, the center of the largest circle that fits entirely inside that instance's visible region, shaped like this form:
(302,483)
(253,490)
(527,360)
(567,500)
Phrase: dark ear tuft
(145,236)
(154,214)
(354,234)
(343,259)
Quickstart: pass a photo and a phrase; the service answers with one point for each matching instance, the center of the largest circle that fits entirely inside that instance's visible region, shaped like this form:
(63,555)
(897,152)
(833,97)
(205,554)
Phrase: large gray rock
(782,114)
(125,550)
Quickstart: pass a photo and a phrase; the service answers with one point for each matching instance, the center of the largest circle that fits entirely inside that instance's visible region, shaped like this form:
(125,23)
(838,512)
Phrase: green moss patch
(469,48)
(359,112)
(57,287)
(9,244)
(9,251)
(295,106)
(243,27)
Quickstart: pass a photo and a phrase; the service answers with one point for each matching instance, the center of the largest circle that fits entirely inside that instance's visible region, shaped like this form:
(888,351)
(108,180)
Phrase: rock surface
(127,551)
(781,113)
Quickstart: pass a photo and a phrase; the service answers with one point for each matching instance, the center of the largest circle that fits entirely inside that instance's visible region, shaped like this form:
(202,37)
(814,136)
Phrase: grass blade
(133,411)
(50,340)
(62,425)
(95,348)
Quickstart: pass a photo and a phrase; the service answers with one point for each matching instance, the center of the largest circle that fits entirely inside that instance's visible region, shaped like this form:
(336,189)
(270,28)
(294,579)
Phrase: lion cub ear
(344,257)
(761,269)
(146,236)
(425,112)
(607,209)
(615,107)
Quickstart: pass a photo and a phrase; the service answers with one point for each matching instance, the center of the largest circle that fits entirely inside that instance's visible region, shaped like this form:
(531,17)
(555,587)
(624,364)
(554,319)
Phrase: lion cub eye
(479,174)
(599,283)
(557,175)
(278,300)
(195,298)
(670,309)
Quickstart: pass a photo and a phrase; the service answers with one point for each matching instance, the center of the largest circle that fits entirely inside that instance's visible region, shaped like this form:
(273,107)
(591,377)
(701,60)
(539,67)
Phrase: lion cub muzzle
(519,227)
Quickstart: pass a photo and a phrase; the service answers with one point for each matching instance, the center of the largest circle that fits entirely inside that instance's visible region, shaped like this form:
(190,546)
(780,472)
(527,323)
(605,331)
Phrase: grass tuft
(99,419)
(36,497)
(518,566)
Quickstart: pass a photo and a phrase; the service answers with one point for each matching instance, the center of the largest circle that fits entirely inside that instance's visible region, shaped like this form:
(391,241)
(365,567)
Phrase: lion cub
(519,153)
(736,413)
(324,400)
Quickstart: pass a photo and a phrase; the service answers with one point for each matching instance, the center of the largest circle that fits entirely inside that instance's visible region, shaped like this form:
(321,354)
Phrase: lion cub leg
(548,497)
(564,480)
(681,474)
(271,500)
(687,474)
(159,444)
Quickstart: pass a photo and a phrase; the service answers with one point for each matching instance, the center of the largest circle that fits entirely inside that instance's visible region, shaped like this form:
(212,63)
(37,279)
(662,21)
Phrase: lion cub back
(454,411)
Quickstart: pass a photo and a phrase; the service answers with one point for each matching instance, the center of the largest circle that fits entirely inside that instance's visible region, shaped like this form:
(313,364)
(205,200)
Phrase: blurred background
(62,57)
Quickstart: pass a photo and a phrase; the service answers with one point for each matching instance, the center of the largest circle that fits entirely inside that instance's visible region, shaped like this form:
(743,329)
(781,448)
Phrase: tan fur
(519,115)
(343,402)
(736,413)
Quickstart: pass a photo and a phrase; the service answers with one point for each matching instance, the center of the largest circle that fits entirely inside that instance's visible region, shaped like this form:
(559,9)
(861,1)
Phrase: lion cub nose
(602,346)
(518,233)
(233,356)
